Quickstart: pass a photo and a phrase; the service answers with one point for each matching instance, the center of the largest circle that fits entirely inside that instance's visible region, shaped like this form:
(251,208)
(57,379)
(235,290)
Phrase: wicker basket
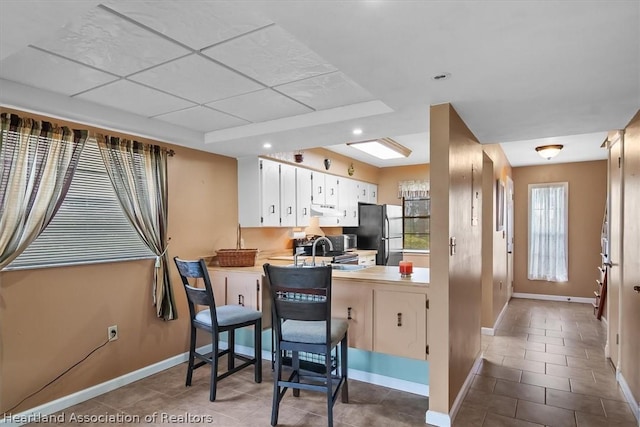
(237,257)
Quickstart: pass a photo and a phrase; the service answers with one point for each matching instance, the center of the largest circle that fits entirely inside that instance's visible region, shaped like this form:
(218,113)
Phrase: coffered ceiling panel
(197,25)
(197,78)
(261,106)
(135,98)
(43,70)
(108,42)
(326,91)
(271,56)
(202,118)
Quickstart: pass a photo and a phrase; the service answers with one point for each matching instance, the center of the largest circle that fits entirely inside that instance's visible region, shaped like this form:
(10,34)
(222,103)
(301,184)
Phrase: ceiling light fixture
(549,151)
(384,148)
(266,145)
(357,131)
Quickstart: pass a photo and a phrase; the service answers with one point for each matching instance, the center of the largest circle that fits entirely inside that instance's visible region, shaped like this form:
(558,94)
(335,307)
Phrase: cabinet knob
(349,313)
(272,209)
(636,289)
(241,300)
(319,190)
(304,211)
(399,319)
(289,210)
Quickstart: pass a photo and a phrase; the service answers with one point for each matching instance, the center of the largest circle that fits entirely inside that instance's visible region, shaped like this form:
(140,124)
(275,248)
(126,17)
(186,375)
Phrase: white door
(287,195)
(318,188)
(303,197)
(614,275)
(270,193)
(348,202)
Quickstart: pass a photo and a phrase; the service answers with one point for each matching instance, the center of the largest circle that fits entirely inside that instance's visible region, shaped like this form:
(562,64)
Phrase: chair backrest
(300,293)
(195,295)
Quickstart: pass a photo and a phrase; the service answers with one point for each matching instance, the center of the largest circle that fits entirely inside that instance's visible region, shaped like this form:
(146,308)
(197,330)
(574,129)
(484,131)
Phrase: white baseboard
(492,331)
(39,412)
(487,331)
(446,420)
(562,298)
(633,402)
(438,419)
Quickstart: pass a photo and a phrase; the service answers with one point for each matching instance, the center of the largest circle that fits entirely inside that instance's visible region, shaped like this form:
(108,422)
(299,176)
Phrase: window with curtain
(89,227)
(416,219)
(548,232)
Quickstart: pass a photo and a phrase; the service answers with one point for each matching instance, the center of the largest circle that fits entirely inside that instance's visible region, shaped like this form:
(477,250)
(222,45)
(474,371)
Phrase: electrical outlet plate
(112,332)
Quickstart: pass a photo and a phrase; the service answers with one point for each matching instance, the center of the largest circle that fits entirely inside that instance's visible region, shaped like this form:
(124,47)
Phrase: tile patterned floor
(544,367)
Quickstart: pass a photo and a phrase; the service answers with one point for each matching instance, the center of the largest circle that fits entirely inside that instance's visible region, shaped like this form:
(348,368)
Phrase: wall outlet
(112,332)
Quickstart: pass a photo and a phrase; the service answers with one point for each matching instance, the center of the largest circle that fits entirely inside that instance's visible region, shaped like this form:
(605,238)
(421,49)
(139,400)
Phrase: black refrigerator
(380,228)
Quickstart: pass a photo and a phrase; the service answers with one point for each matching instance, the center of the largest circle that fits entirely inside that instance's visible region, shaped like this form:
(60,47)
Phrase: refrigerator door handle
(387,248)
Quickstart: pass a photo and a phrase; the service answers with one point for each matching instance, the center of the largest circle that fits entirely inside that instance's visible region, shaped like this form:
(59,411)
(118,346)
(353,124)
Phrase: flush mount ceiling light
(357,131)
(266,145)
(384,148)
(549,151)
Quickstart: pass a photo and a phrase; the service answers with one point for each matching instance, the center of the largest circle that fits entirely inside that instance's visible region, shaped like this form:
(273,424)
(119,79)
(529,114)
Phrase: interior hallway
(545,366)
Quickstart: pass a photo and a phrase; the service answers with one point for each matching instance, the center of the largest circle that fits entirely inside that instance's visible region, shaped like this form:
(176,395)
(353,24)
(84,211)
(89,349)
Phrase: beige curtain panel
(37,163)
(138,173)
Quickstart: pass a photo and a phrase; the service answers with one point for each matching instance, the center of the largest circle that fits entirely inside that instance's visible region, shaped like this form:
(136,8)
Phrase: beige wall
(495,282)
(455,292)
(389,178)
(587,197)
(51,318)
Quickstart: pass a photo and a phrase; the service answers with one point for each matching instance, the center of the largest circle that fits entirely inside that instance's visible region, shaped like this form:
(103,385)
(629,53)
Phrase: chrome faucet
(313,248)
(299,251)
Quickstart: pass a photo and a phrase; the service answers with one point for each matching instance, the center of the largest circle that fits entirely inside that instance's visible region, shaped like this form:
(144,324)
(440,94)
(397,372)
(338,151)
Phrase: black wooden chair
(214,320)
(302,323)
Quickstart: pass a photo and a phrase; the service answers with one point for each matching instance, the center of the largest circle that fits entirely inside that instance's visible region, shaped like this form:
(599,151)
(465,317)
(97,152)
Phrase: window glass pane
(90,225)
(420,207)
(548,253)
(416,223)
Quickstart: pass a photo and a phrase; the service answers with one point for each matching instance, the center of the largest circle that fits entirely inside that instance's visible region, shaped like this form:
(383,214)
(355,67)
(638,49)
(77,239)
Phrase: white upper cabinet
(270,183)
(367,193)
(274,194)
(287,195)
(303,196)
(348,202)
(266,193)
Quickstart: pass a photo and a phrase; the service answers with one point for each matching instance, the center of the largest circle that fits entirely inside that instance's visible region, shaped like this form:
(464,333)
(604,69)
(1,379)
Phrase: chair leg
(192,351)
(258,350)
(231,357)
(327,364)
(295,364)
(214,368)
(277,376)
(344,350)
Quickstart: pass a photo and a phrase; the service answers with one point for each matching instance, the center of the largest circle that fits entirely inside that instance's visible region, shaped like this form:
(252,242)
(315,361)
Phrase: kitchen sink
(339,267)
(348,267)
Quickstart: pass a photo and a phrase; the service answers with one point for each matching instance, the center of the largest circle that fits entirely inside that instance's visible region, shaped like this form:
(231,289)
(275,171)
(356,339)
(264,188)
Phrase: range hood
(324,211)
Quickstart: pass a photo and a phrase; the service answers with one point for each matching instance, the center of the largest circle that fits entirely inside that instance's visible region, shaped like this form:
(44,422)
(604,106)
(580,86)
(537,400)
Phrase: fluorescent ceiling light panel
(385,148)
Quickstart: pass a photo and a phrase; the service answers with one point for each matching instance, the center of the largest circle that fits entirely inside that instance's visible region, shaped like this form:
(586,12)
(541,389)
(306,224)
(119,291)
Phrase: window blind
(89,227)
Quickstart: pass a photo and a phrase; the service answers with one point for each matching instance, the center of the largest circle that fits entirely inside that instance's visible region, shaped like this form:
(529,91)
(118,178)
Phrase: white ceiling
(228,76)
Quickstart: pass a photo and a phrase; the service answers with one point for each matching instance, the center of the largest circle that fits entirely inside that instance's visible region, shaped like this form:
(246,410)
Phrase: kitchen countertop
(374,273)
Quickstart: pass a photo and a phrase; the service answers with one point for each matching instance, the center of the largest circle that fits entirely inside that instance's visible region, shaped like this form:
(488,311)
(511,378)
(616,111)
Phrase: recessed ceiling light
(357,131)
(441,76)
(266,145)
